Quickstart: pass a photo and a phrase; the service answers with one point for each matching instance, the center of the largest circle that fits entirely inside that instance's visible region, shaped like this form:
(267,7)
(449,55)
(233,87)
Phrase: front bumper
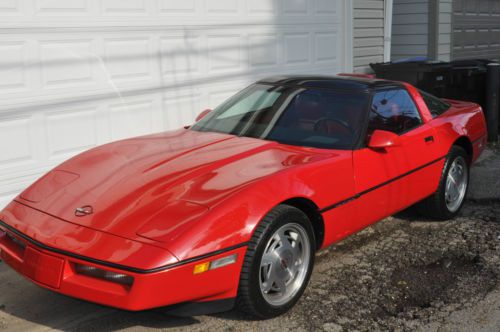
(55,270)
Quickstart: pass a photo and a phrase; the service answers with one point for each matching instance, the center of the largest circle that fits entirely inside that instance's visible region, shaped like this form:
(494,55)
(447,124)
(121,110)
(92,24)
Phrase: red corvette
(232,209)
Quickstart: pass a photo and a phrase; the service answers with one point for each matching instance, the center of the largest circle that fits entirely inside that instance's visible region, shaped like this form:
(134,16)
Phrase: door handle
(429,139)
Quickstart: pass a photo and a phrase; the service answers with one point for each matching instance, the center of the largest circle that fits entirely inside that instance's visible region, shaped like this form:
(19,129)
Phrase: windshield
(291,115)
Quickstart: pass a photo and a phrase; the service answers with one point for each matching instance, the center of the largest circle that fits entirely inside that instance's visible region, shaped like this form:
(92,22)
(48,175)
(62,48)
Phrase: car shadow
(25,306)
(412,214)
(119,319)
(409,214)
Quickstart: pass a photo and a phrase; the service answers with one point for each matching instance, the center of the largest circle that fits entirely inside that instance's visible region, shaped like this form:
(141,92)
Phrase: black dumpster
(430,76)
(462,79)
(468,81)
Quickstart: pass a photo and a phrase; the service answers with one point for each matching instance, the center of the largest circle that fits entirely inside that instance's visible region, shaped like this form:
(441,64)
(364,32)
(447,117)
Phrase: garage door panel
(475,26)
(224,52)
(63,7)
(187,7)
(15,131)
(325,46)
(14,57)
(132,119)
(297,48)
(295,7)
(222,7)
(66,63)
(79,73)
(125,7)
(326,7)
(129,59)
(71,131)
(180,55)
(263,50)
(262,7)
(10,7)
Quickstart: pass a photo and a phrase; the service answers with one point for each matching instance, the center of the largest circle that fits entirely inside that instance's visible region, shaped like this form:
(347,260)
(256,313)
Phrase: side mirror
(382,139)
(203,114)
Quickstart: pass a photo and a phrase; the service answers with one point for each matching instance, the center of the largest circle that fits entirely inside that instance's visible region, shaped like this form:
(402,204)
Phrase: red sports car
(232,209)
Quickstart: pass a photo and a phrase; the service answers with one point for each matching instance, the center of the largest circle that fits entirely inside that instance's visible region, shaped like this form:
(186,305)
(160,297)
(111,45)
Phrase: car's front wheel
(278,263)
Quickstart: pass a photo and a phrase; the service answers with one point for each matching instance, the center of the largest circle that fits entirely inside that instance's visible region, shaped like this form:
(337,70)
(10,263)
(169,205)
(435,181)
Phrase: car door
(390,179)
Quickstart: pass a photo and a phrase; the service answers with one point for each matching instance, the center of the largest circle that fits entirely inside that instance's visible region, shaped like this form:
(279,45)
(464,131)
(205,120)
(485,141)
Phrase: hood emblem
(84,211)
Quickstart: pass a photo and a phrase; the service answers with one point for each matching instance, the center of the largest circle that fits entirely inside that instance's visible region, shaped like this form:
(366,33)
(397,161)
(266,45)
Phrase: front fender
(232,221)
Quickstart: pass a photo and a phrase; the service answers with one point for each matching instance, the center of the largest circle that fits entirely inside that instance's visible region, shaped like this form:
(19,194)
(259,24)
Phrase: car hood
(121,186)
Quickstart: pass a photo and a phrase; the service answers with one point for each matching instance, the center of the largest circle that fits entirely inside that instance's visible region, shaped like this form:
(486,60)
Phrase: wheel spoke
(452,187)
(454,191)
(296,249)
(285,242)
(268,259)
(266,286)
(269,280)
(448,184)
(280,285)
(452,179)
(291,270)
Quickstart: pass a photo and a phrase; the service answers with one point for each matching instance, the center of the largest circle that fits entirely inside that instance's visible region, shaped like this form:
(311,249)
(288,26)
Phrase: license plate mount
(43,268)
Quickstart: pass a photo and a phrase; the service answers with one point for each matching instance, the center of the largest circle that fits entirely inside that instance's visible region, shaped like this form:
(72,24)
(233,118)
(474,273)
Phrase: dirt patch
(405,272)
(445,281)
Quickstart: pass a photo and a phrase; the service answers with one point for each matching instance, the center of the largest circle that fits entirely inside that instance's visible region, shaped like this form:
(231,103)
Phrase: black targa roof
(330,82)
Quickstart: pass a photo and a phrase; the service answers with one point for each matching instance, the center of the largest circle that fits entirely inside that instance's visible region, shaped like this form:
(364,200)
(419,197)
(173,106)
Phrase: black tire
(435,207)
(250,298)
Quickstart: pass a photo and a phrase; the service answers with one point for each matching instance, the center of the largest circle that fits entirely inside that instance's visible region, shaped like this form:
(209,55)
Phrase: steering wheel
(323,121)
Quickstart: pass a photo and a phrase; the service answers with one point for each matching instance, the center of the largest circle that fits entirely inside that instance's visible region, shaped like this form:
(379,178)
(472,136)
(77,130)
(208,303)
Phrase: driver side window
(394,111)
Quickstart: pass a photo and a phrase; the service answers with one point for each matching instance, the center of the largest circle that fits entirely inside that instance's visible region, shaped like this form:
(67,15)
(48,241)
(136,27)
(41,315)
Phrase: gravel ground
(401,274)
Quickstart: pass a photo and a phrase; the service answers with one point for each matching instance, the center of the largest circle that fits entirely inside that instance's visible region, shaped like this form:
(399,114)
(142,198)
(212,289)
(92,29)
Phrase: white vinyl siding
(368,34)
(443,51)
(410,29)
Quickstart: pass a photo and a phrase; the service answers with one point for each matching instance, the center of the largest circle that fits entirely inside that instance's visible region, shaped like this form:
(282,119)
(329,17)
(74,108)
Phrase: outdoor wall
(446,29)
(442,50)
(368,34)
(476,29)
(410,29)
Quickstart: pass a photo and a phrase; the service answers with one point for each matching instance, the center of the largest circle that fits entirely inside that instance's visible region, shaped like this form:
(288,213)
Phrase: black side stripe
(350,199)
(114,265)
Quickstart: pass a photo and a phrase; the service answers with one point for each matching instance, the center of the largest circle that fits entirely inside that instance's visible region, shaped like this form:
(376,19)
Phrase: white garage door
(78,73)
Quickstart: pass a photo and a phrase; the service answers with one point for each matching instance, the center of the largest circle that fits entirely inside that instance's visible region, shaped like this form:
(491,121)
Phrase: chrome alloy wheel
(284,264)
(456,184)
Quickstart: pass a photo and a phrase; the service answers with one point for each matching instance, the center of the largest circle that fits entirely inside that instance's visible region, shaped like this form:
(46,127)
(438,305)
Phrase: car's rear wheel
(447,201)
(278,263)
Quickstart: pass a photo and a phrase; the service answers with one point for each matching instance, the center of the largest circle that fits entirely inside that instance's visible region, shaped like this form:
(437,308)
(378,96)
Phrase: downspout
(432,30)
(387,29)
(348,36)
